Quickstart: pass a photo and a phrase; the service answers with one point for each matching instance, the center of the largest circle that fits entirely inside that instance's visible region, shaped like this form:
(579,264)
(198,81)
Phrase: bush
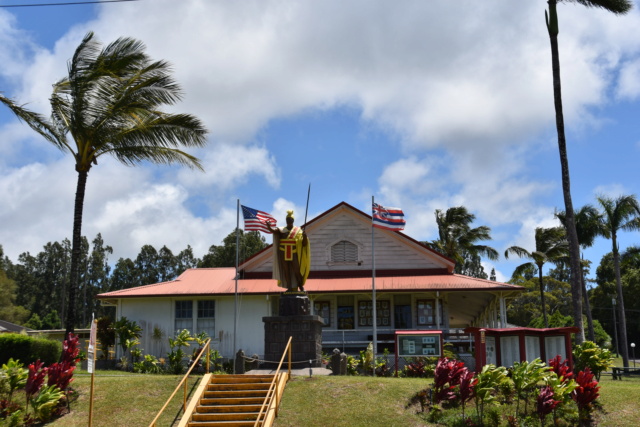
(28,349)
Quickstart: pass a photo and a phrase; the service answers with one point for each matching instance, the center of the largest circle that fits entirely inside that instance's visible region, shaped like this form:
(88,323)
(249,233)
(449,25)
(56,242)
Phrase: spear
(307,210)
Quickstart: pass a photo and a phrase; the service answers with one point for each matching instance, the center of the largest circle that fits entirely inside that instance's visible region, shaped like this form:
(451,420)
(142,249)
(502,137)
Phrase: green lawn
(133,400)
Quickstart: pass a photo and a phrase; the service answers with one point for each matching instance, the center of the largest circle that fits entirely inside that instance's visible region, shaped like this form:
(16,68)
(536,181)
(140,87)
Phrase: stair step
(238,379)
(241,416)
(244,386)
(221,423)
(228,408)
(234,393)
(232,400)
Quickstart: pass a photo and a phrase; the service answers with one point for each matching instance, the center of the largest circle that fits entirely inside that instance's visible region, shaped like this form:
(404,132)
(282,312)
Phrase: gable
(344,229)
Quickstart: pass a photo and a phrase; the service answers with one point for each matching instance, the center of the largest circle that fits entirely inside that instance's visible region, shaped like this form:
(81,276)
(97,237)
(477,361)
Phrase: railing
(185,381)
(274,386)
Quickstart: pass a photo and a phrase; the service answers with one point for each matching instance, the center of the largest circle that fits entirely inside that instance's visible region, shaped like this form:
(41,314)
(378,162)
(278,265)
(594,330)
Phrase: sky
(422,105)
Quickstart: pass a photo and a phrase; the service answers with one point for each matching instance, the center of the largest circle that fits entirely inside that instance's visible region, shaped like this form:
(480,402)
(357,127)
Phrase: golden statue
(291,255)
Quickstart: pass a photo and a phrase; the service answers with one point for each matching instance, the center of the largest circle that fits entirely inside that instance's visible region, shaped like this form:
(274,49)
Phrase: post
(184,400)
(373,293)
(235,307)
(633,353)
(208,354)
(91,363)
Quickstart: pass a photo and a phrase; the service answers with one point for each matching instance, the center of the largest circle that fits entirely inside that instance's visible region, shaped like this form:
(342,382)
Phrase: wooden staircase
(234,400)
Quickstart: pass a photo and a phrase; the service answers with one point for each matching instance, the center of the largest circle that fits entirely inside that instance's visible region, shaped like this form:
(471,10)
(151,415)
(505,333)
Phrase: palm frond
(36,122)
(619,7)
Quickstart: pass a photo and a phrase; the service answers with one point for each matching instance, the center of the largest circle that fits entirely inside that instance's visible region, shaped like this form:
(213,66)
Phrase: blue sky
(424,105)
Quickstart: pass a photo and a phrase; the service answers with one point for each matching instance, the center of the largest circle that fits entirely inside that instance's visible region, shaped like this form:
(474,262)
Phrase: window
(345,312)
(322,309)
(207,317)
(365,313)
(402,312)
(184,316)
(426,312)
(344,251)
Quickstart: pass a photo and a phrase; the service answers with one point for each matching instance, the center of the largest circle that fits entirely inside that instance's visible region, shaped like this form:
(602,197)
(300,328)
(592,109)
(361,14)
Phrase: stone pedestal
(294,321)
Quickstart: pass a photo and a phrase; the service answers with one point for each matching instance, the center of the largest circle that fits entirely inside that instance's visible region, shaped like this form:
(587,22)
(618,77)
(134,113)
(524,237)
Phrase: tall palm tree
(456,238)
(551,246)
(109,104)
(589,225)
(617,7)
(622,213)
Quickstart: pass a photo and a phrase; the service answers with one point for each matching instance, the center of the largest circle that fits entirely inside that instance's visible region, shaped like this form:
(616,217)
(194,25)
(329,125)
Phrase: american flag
(388,218)
(255,220)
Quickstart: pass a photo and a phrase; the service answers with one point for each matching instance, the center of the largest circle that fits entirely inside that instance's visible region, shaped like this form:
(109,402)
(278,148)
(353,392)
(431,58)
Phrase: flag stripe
(388,218)
(255,220)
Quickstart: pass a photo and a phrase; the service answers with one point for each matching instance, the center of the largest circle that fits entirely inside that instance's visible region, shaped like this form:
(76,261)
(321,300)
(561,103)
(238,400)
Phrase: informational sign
(91,351)
(419,345)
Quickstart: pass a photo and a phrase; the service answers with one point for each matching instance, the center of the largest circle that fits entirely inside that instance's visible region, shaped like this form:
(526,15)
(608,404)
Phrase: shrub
(589,355)
(27,349)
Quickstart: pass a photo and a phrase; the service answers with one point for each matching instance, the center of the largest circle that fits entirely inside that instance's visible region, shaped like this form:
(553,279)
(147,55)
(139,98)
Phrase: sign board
(91,351)
(419,343)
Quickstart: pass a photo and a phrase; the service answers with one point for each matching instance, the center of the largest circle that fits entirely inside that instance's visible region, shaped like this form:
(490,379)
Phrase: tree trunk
(542,298)
(587,309)
(76,248)
(621,315)
(574,247)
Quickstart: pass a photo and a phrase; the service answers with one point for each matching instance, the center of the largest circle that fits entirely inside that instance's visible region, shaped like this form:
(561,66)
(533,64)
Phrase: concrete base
(306,344)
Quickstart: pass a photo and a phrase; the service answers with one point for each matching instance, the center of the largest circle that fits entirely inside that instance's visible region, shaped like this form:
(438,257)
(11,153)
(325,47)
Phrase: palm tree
(622,213)
(457,240)
(109,104)
(618,7)
(589,225)
(551,246)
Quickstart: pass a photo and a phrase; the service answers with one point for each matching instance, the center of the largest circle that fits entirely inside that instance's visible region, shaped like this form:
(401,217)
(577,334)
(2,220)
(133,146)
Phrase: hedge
(29,349)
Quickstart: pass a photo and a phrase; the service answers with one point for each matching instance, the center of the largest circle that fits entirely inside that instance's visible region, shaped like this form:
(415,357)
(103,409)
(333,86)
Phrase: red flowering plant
(561,368)
(585,393)
(61,374)
(447,376)
(35,379)
(545,403)
(466,387)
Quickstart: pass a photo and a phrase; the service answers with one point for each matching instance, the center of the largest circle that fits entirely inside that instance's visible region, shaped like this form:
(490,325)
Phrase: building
(416,289)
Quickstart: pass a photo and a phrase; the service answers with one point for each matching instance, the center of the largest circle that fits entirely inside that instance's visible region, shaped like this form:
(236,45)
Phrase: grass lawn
(122,399)
(133,400)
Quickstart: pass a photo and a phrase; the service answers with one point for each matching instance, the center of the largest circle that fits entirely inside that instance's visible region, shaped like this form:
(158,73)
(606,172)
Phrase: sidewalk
(297,372)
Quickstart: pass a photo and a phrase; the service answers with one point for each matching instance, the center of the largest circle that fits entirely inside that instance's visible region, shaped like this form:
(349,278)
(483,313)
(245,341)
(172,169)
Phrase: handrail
(273,387)
(185,381)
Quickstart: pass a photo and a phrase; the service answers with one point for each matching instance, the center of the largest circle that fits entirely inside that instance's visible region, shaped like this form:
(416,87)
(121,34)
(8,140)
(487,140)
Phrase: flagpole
(373,286)
(235,309)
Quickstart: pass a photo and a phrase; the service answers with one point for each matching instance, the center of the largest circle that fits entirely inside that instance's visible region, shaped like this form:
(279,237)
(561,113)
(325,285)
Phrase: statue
(291,255)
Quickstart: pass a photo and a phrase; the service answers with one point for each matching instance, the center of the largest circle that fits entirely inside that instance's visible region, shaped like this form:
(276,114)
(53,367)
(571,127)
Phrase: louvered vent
(344,251)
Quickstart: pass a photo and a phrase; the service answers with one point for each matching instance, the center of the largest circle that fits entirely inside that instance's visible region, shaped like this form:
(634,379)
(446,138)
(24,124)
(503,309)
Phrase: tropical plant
(586,392)
(525,377)
(562,387)
(618,214)
(485,390)
(551,246)
(110,104)
(35,379)
(46,402)
(446,378)
(546,403)
(589,356)
(618,7)
(15,374)
(176,354)
(127,332)
(457,240)
(589,225)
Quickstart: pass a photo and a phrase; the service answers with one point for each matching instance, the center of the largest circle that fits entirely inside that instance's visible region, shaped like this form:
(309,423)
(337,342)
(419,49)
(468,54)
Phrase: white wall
(159,313)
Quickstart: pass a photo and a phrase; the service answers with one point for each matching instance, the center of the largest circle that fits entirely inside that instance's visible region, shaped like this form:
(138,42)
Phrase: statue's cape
(303,253)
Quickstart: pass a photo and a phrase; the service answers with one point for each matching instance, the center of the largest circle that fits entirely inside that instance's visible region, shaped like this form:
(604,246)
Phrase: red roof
(220,281)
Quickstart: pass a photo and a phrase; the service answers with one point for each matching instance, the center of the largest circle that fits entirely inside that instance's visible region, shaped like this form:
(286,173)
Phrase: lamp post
(633,353)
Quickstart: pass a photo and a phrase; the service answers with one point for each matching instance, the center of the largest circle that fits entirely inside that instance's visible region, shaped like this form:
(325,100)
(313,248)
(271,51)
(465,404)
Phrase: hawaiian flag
(388,218)
(255,220)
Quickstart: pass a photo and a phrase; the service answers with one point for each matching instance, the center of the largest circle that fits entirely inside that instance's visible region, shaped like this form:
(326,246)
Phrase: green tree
(458,241)
(110,105)
(589,225)
(618,7)
(125,275)
(622,213)
(225,255)
(551,246)
(186,260)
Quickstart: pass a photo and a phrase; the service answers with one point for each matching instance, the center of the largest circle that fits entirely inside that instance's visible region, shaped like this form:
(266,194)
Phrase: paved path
(298,372)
